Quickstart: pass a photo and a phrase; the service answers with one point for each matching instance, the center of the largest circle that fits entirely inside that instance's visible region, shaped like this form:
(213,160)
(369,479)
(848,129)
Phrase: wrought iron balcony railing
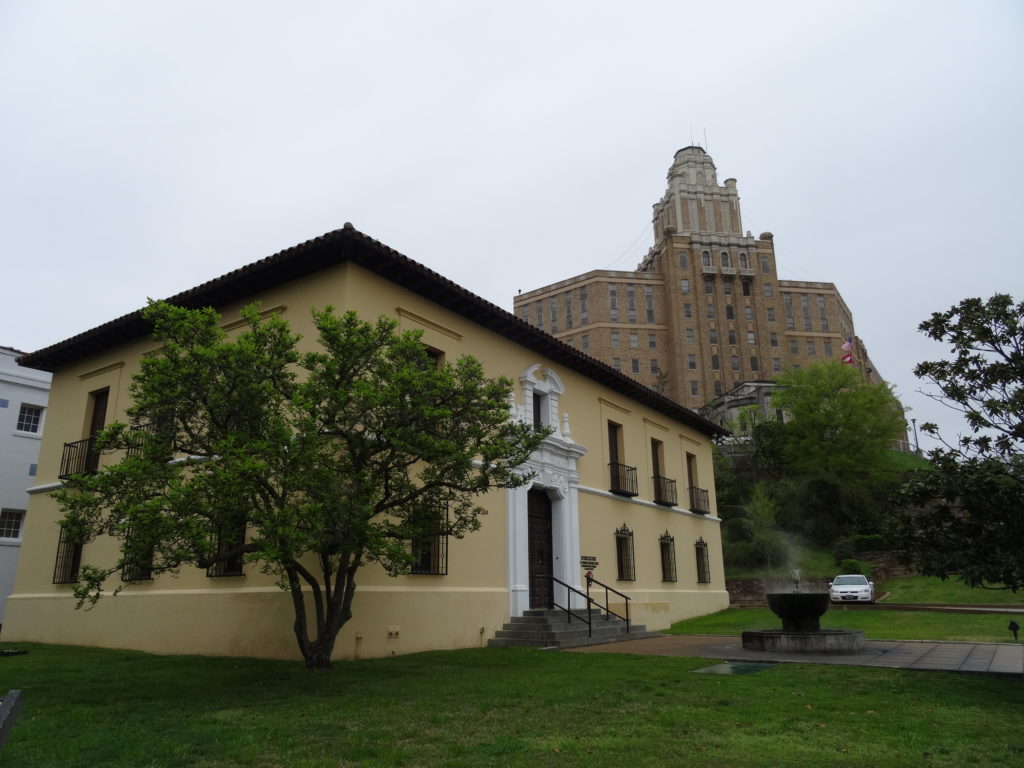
(699,501)
(664,491)
(623,479)
(79,457)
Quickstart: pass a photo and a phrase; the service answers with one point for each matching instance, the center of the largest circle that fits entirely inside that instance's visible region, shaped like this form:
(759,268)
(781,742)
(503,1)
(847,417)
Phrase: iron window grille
(69,558)
(230,536)
(624,554)
(430,550)
(703,563)
(667,546)
(138,559)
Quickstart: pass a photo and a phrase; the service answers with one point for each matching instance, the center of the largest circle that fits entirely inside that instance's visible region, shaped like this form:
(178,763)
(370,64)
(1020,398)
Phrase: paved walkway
(991,658)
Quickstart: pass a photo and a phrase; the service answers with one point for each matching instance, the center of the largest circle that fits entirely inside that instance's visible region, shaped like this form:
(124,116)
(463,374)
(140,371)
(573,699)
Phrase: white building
(23,397)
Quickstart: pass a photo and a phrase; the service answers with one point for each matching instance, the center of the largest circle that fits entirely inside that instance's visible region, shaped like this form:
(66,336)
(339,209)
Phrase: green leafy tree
(310,465)
(832,459)
(963,516)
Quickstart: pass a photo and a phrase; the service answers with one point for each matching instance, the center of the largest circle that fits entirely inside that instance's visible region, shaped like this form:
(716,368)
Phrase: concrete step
(551,628)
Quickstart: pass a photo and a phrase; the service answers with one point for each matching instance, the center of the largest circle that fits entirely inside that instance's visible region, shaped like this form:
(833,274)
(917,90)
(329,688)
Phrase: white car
(850,588)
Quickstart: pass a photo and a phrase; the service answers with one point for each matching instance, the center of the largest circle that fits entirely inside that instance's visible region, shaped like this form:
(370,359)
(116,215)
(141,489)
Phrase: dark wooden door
(541,552)
(97,420)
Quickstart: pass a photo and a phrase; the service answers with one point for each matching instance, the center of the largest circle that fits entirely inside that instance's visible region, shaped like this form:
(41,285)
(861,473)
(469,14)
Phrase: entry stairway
(553,628)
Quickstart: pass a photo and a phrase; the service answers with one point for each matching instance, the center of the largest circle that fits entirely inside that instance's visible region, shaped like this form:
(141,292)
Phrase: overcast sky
(146,147)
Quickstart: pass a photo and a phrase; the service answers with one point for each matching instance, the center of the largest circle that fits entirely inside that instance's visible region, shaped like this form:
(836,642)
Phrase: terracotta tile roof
(350,245)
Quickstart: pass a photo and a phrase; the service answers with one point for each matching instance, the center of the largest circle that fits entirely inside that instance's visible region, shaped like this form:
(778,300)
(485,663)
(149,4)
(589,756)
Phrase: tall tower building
(705,311)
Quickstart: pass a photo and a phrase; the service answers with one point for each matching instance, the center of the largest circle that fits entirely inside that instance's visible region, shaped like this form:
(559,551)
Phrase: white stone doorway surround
(554,468)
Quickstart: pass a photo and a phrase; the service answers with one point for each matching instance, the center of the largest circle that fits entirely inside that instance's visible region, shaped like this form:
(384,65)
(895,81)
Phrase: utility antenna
(706,138)
(691,134)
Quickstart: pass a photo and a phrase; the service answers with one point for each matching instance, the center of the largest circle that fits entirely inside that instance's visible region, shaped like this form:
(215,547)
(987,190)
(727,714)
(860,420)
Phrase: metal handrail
(607,609)
(569,612)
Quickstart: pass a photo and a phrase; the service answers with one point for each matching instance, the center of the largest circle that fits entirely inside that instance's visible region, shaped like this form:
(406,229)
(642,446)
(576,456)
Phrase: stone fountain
(801,632)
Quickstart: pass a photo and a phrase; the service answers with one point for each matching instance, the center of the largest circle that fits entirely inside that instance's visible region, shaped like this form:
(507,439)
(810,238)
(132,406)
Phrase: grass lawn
(876,624)
(923,590)
(97,708)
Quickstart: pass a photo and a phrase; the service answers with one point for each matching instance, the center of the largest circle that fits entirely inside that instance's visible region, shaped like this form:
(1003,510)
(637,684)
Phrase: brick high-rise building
(705,310)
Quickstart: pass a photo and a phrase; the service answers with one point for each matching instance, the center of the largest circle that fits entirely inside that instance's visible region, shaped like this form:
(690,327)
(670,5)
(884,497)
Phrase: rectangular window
(684,286)
(649,302)
(767,290)
(568,310)
(683,261)
(766,265)
(711,311)
(793,348)
(828,348)
(773,339)
(229,538)
(734,361)
(691,362)
(667,546)
(615,339)
(634,341)
(810,348)
(746,287)
(751,339)
(715,363)
(689,336)
(539,307)
(10,523)
(748,314)
(755,364)
(138,559)
(586,341)
(429,547)
(29,418)
(709,285)
(687,310)
(613,303)
(654,366)
(771,314)
(694,388)
(713,335)
(777,364)
(584,307)
(805,310)
(727,287)
(822,314)
(730,312)
(703,562)
(787,305)
(635,365)
(617,363)
(732,338)
(554,314)
(652,341)
(631,303)
(624,554)
(69,558)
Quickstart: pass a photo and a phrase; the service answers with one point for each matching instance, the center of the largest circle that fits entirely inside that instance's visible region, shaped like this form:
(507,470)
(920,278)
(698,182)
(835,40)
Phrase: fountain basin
(799,611)
(822,641)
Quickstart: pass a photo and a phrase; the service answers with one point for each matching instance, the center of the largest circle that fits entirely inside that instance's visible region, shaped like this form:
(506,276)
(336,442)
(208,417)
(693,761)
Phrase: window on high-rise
(649,302)
(770,312)
(810,347)
(714,363)
(691,362)
(687,310)
(748,314)
(792,347)
(746,287)
(727,287)
(554,314)
(631,303)
(694,387)
(705,258)
(613,303)
(585,341)
(652,341)
(654,366)
(711,311)
(634,341)
(754,364)
(751,339)
(635,365)
(767,290)
(805,310)
(726,261)
(718,387)
(568,310)
(684,286)
(766,265)
(773,339)
(540,314)
(615,339)
(713,336)
(689,336)
(734,362)
(617,363)
(787,305)
(822,314)
(732,338)
(709,285)
(584,307)
(683,261)
(777,364)
(828,348)
(744,261)
(730,312)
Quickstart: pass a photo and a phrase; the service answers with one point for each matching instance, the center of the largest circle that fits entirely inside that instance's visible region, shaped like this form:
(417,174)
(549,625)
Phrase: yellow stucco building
(623,486)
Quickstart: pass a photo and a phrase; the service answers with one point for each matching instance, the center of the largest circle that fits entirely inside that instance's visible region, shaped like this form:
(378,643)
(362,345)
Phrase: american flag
(848,345)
